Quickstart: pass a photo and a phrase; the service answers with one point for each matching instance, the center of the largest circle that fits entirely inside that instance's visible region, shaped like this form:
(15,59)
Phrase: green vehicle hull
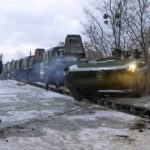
(86,80)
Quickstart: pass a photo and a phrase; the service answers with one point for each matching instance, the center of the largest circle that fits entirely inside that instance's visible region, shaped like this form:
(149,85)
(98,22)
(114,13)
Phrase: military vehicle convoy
(27,68)
(125,71)
(48,66)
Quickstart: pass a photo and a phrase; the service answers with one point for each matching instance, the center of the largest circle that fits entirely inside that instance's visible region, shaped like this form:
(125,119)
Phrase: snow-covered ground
(35,119)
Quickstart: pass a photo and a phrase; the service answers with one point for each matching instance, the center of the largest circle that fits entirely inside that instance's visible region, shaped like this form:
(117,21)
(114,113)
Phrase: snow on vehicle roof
(75,68)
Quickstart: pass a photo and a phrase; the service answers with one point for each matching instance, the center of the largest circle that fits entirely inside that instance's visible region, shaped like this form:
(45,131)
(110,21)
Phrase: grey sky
(29,24)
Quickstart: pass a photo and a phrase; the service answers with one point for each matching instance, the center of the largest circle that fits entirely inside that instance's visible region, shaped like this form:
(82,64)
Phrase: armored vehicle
(50,62)
(34,65)
(56,59)
(7,70)
(18,69)
(25,67)
(4,72)
(13,69)
(125,71)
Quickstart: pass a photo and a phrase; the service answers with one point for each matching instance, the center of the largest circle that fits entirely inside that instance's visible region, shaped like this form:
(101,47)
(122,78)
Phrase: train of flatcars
(46,66)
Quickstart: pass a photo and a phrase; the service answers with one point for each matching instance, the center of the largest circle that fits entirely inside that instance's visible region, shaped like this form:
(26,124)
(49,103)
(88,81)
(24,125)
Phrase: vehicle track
(104,101)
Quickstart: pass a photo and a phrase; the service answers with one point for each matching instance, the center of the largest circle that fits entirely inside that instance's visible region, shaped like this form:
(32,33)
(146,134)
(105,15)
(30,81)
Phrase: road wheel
(76,94)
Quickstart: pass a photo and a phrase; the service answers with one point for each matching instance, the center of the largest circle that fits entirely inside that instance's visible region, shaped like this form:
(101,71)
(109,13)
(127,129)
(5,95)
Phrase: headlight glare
(132,67)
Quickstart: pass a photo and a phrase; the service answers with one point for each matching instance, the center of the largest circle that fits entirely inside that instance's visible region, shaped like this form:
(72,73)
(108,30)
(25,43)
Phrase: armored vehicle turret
(124,71)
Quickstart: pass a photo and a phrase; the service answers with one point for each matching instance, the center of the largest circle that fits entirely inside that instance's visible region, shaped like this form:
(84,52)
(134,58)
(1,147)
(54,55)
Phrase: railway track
(109,102)
(125,107)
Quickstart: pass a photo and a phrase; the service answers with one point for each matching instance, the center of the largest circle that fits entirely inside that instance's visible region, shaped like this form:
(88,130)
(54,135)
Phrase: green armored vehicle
(125,71)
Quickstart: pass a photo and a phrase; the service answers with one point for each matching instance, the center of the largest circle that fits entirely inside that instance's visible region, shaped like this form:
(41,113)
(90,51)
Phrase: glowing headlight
(132,68)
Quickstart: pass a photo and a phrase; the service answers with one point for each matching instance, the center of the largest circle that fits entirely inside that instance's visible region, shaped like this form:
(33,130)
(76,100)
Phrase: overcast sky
(29,24)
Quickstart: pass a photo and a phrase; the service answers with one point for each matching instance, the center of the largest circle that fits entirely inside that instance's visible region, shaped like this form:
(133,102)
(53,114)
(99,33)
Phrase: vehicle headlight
(132,67)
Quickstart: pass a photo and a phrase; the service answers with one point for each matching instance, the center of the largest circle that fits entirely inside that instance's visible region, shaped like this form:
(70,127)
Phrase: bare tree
(90,53)
(114,14)
(118,23)
(95,34)
(61,44)
(105,28)
(137,19)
